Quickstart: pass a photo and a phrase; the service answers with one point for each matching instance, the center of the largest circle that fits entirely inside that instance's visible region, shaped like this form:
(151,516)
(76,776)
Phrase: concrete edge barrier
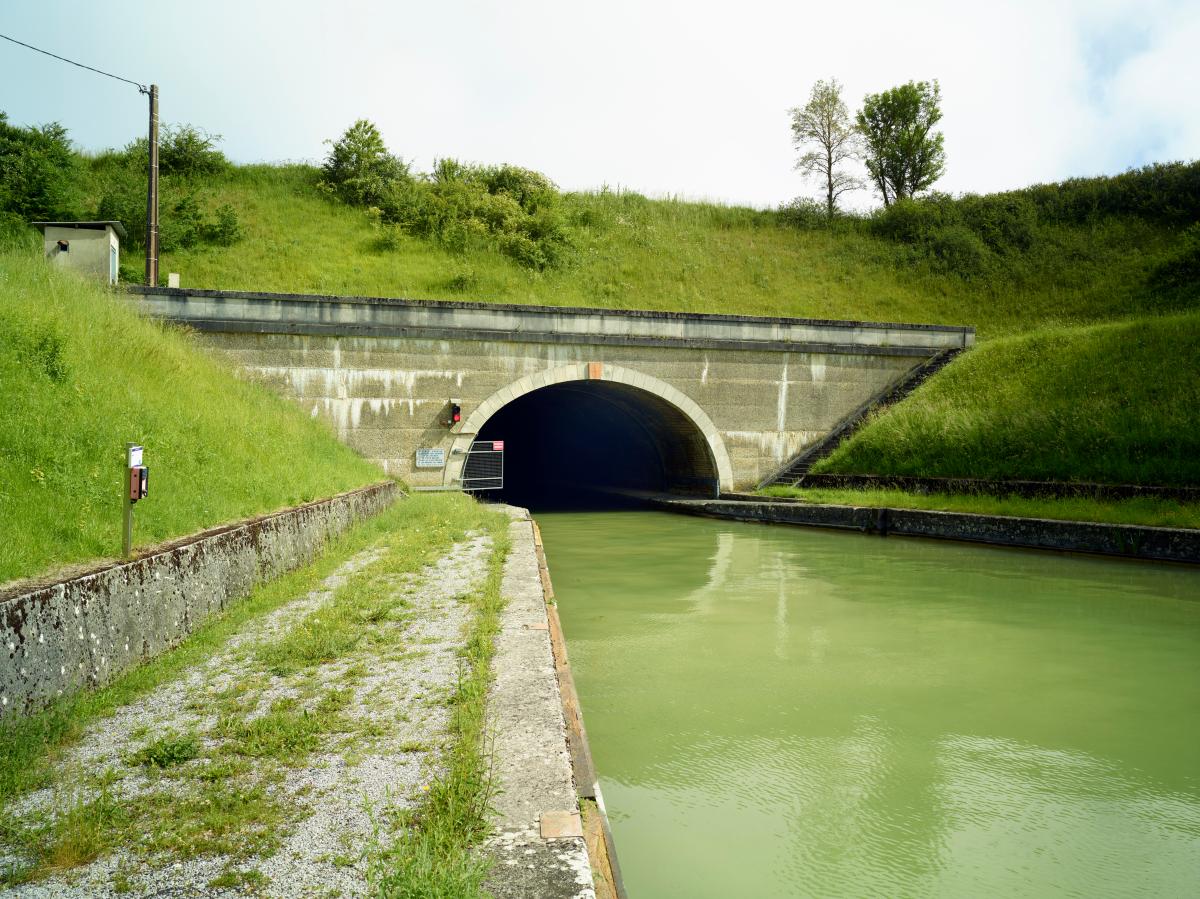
(603,857)
(1129,541)
(83,630)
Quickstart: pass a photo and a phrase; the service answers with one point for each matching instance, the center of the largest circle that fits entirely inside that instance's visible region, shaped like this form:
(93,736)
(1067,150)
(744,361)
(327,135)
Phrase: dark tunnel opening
(596,444)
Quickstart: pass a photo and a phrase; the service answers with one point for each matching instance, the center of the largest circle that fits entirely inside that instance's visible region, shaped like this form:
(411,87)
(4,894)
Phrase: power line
(140,87)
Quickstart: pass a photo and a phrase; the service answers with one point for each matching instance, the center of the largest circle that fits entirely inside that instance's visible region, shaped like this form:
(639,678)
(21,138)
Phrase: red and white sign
(497,445)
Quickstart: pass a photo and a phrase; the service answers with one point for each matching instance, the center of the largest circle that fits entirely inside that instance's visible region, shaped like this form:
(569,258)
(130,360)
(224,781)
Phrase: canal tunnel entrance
(587,444)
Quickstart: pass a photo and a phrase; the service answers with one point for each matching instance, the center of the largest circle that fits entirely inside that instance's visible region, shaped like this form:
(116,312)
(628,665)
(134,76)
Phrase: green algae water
(795,712)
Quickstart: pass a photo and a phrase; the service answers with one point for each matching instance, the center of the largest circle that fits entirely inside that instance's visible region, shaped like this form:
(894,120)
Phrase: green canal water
(796,712)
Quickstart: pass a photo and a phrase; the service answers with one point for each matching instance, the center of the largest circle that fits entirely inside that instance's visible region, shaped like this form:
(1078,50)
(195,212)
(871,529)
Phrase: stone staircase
(799,465)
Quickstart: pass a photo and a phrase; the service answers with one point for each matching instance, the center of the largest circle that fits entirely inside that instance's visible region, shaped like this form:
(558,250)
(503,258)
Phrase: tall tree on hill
(904,155)
(823,127)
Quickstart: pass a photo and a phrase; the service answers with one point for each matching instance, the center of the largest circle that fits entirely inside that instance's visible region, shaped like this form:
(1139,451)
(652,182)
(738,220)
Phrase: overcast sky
(684,98)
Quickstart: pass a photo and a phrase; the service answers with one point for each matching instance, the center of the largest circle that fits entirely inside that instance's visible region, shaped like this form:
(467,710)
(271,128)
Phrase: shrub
(531,190)
(225,230)
(359,169)
(183,150)
(39,173)
(16,232)
(804,213)
(957,249)
(184,226)
(1167,193)
(1179,275)
(462,281)
(1005,222)
(462,206)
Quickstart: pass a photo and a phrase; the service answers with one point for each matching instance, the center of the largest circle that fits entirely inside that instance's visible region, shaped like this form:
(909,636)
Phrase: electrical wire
(140,87)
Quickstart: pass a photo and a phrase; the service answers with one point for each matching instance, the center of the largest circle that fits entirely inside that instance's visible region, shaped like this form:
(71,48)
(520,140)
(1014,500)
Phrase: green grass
(81,374)
(433,854)
(674,255)
(1115,403)
(1144,511)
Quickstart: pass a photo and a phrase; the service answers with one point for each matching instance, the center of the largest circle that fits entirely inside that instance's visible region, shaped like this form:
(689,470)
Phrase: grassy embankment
(1112,403)
(634,253)
(213,792)
(81,374)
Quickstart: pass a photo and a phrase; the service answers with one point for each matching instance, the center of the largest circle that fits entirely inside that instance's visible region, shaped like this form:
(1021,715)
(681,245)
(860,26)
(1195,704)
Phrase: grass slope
(1117,403)
(673,255)
(81,374)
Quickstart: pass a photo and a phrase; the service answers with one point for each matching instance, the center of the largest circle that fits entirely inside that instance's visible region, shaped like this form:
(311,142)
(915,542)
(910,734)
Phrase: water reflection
(793,712)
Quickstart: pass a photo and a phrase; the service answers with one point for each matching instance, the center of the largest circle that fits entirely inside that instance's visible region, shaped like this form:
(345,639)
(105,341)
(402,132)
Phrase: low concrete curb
(537,848)
(84,630)
(1132,541)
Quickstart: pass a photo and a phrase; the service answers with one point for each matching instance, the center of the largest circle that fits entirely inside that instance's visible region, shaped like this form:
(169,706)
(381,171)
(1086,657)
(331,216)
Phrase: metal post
(152,194)
(127,503)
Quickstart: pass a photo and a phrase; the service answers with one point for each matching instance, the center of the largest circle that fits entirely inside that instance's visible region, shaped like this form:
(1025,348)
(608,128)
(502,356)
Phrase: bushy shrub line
(976,236)
(42,177)
(462,206)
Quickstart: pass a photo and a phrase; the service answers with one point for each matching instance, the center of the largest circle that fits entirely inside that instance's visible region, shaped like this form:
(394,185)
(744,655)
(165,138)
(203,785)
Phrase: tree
(904,154)
(823,124)
(39,174)
(359,167)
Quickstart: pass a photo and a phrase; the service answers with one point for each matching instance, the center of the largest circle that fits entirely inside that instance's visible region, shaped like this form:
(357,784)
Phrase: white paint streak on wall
(704,371)
(779,445)
(344,383)
(781,404)
(817,367)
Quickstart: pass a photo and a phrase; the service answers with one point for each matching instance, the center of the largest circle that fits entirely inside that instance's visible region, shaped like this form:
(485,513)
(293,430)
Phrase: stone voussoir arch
(584,371)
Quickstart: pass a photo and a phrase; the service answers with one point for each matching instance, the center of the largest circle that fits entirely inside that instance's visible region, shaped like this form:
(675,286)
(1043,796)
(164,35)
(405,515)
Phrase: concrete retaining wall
(1136,541)
(83,631)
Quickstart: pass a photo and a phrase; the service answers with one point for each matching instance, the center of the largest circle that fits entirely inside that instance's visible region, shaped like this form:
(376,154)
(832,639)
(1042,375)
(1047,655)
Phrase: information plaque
(431,458)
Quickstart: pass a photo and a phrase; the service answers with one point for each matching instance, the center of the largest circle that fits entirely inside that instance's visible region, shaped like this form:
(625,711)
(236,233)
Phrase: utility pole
(152,193)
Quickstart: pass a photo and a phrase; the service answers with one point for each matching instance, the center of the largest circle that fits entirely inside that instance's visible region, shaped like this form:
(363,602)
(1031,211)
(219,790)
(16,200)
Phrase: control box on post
(137,486)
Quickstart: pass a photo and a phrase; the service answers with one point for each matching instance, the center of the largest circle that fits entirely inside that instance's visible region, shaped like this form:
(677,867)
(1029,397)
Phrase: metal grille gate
(484,468)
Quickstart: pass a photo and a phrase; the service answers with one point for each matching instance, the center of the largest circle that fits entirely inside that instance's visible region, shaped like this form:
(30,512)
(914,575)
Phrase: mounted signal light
(455,414)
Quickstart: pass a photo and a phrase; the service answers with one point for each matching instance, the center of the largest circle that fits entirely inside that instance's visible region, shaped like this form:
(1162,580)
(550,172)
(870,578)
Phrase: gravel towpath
(250,774)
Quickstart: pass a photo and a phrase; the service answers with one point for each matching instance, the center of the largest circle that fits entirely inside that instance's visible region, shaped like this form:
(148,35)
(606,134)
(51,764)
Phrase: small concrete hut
(93,248)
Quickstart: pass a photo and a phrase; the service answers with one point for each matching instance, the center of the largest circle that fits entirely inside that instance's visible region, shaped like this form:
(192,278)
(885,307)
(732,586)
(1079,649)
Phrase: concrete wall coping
(517,322)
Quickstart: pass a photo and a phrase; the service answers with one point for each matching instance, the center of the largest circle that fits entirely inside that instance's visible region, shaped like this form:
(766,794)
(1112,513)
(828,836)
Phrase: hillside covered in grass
(1115,403)
(81,374)
(632,252)
(1083,251)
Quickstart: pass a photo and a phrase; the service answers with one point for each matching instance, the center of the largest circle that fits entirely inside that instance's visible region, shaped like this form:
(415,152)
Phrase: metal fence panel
(484,468)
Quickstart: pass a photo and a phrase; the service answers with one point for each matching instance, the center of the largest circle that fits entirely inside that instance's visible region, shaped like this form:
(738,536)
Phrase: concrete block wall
(82,632)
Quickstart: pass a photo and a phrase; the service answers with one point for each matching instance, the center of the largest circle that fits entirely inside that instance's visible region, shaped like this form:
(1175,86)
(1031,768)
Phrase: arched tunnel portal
(583,443)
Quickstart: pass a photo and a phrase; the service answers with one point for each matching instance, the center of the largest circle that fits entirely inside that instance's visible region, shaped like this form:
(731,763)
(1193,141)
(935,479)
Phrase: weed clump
(167,751)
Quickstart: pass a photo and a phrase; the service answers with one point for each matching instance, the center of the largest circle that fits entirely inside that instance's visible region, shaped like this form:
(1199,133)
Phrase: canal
(797,712)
